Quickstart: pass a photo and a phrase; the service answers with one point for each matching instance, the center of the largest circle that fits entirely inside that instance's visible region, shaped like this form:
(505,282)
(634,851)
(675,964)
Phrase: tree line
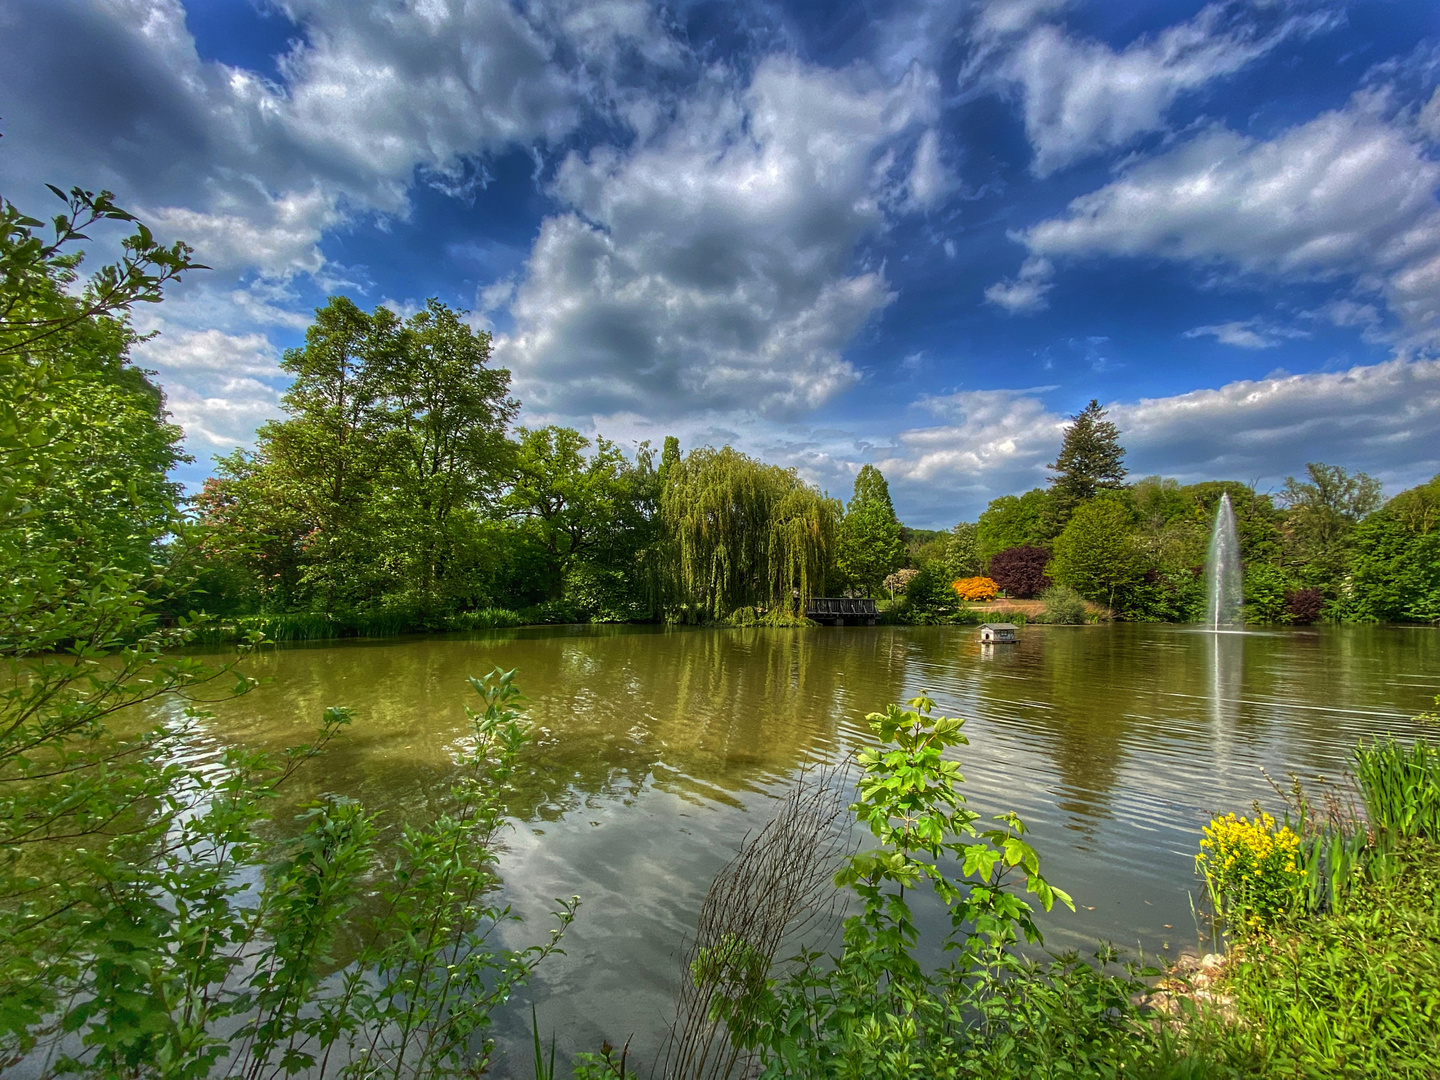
(396,491)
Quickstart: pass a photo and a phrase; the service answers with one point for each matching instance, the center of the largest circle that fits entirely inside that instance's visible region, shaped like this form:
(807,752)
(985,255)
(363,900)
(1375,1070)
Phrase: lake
(659,749)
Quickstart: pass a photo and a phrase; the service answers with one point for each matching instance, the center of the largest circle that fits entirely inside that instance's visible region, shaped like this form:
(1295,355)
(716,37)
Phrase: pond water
(659,749)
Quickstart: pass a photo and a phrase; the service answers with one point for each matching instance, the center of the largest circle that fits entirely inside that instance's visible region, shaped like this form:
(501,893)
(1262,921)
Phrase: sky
(913,234)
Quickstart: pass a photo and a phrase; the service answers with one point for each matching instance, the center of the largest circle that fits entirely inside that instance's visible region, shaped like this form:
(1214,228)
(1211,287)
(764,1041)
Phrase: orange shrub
(975,588)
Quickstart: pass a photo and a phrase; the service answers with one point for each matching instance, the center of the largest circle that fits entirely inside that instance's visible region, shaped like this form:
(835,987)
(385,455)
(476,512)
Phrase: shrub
(975,588)
(1304,605)
(1251,870)
(1020,571)
(1063,605)
(899,581)
(929,597)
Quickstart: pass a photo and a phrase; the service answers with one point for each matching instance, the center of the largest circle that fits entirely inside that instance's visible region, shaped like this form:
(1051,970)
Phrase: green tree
(371,493)
(441,414)
(870,544)
(1396,560)
(574,502)
(85,442)
(1015,521)
(742,533)
(962,551)
(1320,513)
(1091,460)
(1096,556)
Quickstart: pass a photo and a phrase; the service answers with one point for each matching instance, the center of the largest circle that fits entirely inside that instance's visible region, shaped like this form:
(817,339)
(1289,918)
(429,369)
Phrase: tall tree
(741,532)
(1091,460)
(871,545)
(441,416)
(574,500)
(1014,520)
(1095,555)
(962,551)
(368,493)
(1321,512)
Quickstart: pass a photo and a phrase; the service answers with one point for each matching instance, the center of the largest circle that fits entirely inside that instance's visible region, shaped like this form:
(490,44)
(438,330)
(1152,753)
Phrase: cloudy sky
(911,233)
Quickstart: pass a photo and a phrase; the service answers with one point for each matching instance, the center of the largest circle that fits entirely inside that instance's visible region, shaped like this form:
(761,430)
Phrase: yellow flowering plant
(1252,869)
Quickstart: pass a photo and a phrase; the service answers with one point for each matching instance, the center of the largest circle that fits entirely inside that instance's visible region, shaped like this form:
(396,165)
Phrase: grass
(1354,992)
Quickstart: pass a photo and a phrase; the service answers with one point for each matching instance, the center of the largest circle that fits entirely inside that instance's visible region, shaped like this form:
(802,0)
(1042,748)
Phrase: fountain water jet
(1224,593)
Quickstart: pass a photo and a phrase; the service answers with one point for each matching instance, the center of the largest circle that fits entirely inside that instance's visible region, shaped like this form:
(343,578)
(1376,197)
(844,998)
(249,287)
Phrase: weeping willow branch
(743,533)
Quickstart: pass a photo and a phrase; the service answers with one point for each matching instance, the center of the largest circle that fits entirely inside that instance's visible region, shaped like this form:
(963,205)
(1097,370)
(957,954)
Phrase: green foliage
(1401,788)
(1014,521)
(1063,605)
(929,597)
(1395,566)
(1095,554)
(1321,512)
(370,493)
(1353,992)
(741,533)
(580,505)
(1091,460)
(873,1010)
(962,551)
(869,546)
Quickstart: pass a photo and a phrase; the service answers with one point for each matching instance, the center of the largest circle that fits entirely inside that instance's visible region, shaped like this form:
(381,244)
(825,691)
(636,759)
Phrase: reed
(1401,788)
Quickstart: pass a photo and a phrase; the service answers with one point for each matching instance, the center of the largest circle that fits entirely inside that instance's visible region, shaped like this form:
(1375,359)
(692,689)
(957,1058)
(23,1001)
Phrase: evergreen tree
(871,545)
(1091,460)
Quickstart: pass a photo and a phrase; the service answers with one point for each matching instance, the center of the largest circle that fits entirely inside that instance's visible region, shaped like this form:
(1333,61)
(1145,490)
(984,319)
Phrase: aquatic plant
(1401,787)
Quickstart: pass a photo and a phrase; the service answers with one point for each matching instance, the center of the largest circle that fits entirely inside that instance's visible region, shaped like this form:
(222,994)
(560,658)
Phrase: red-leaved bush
(1020,571)
(1304,605)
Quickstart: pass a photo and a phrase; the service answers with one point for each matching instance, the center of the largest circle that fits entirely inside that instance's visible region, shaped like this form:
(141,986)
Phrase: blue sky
(914,234)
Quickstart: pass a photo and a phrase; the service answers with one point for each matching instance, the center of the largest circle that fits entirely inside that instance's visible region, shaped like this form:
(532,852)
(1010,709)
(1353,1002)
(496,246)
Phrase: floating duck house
(993,633)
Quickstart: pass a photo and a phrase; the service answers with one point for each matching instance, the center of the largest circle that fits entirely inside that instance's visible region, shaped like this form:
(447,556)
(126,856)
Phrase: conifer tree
(870,542)
(1091,460)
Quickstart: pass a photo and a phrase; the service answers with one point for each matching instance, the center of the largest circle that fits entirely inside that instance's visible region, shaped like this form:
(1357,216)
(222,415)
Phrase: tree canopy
(1091,460)
(744,533)
(870,545)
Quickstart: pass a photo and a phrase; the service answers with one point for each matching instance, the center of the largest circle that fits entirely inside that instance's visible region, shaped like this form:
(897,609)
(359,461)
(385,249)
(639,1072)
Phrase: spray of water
(1224,592)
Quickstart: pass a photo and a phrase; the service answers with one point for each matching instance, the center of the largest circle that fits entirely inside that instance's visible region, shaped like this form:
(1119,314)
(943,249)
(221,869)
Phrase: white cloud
(1250,334)
(1382,418)
(929,181)
(1024,294)
(254,171)
(1350,193)
(712,266)
(1080,97)
(179,353)
(223,416)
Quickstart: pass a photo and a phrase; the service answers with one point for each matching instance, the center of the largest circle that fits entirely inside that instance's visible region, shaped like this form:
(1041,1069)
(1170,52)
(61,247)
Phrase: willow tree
(742,533)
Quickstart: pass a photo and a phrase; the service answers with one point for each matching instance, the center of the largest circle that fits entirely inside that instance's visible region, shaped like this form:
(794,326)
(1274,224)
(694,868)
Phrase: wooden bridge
(842,610)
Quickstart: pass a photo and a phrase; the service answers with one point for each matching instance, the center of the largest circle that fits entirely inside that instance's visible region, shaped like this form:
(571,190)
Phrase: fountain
(1224,594)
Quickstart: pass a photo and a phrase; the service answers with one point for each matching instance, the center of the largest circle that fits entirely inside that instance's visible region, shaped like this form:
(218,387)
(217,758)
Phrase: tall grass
(1401,788)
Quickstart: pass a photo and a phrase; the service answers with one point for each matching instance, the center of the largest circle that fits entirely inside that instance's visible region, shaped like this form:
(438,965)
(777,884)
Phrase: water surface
(658,750)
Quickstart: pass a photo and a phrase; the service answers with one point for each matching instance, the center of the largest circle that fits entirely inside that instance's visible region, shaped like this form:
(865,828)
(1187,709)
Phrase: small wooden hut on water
(998,633)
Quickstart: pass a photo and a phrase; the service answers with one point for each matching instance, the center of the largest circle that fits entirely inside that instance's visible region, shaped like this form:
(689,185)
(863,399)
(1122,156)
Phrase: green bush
(1063,605)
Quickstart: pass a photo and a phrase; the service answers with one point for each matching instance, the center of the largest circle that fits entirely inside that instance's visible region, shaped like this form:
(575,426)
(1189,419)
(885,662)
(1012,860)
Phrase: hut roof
(999,626)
